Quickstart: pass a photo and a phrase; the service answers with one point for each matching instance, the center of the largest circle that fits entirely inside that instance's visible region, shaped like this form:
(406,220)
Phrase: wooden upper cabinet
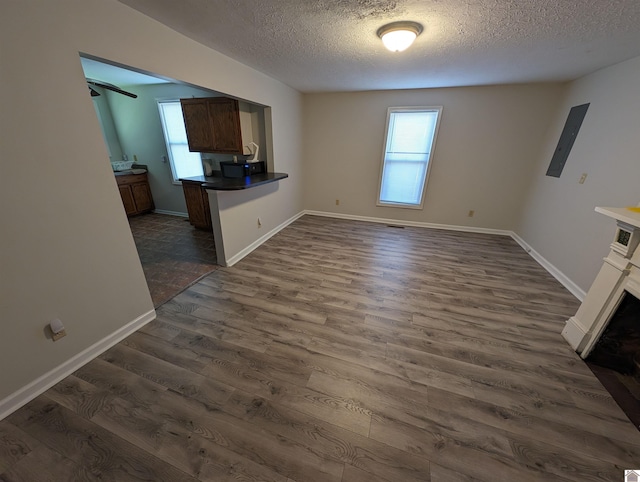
(213,124)
(224,115)
(196,121)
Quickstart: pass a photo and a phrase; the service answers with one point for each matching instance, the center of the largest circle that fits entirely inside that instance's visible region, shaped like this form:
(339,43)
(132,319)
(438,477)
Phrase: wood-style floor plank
(14,446)
(45,464)
(339,351)
(99,453)
(344,445)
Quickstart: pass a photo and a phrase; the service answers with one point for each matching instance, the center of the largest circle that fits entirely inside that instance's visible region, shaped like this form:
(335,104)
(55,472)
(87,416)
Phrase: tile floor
(173,254)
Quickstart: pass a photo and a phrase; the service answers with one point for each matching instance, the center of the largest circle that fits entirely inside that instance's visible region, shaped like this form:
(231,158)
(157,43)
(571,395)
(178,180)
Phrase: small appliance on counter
(207,166)
(231,169)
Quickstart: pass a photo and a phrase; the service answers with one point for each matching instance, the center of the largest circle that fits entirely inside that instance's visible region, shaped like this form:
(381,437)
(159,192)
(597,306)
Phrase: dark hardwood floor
(339,351)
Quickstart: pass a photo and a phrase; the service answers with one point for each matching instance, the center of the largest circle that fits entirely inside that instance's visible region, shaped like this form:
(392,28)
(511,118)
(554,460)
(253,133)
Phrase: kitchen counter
(129,171)
(218,183)
(204,196)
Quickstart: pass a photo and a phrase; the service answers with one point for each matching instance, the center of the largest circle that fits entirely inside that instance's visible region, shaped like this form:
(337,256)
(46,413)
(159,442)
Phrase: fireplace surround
(619,274)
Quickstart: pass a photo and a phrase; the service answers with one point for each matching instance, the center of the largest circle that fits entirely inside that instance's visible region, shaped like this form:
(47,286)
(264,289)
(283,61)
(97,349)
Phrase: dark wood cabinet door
(196,121)
(142,196)
(197,205)
(224,115)
(135,193)
(127,199)
(212,124)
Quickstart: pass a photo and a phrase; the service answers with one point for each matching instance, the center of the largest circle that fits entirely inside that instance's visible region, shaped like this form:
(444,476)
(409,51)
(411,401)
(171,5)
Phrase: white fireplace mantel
(620,273)
(626,215)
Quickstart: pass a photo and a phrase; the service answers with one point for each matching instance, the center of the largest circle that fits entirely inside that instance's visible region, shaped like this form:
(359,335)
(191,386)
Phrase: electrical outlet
(135,158)
(57,329)
(337,202)
(471,213)
(259,222)
(583,178)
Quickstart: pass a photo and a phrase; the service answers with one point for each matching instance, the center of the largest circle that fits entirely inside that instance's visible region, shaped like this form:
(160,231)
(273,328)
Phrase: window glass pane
(402,182)
(183,163)
(174,122)
(411,132)
(407,153)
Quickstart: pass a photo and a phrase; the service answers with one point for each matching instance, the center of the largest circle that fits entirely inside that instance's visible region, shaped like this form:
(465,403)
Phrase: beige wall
(488,140)
(558,219)
(66,247)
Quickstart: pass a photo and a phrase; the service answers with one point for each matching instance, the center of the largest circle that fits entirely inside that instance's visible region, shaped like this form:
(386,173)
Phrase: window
(183,163)
(411,135)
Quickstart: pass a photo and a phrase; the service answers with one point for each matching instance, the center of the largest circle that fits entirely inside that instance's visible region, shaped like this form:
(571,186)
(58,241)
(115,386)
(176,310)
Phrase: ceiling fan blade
(111,87)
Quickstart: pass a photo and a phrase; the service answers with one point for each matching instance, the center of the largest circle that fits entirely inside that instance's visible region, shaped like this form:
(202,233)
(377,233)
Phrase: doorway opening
(173,253)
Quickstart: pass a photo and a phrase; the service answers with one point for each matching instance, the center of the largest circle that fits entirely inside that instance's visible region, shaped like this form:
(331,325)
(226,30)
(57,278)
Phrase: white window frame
(391,110)
(166,139)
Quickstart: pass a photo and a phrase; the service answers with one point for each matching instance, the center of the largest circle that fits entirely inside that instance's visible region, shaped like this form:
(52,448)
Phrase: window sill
(399,205)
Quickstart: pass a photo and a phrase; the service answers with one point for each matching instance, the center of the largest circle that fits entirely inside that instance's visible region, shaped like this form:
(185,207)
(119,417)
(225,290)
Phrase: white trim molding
(574,333)
(41,384)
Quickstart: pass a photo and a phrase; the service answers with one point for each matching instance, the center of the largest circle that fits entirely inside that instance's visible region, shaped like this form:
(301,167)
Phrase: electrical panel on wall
(567,138)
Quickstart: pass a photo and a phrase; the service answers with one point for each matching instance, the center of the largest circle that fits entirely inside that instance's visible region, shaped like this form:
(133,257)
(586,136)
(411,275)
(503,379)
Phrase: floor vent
(397,227)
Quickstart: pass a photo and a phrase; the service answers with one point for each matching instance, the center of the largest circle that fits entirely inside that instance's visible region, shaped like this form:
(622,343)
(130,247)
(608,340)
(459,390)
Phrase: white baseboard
(399,222)
(171,213)
(27,393)
(237,257)
(573,288)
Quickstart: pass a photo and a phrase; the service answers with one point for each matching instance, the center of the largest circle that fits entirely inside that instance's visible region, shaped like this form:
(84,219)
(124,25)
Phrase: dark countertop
(129,172)
(217,183)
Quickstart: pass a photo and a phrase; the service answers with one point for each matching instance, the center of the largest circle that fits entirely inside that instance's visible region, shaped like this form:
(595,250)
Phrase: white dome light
(398,36)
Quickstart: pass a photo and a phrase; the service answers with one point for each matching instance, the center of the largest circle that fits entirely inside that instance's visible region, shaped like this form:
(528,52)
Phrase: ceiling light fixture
(398,36)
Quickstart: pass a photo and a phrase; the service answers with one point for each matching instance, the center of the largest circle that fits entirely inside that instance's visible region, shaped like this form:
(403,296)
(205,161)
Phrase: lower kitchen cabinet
(197,204)
(135,193)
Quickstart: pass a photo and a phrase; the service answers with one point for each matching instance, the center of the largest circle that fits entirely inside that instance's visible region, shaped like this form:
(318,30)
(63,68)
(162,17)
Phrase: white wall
(558,218)
(66,246)
(488,140)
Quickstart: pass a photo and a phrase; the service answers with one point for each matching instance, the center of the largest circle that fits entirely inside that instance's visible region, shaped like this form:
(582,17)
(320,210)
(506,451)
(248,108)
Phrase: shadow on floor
(624,389)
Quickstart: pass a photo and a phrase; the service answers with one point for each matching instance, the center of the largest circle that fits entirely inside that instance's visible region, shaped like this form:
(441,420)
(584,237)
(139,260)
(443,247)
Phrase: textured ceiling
(331,45)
